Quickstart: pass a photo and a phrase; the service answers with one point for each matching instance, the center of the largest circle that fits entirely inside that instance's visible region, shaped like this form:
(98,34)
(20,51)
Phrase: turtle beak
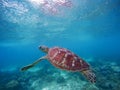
(43,48)
(40,47)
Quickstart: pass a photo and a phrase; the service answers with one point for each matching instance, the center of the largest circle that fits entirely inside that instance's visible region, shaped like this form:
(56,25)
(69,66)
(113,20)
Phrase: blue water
(91,29)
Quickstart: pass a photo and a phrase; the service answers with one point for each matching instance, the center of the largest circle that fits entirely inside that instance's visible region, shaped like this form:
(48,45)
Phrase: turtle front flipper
(27,67)
(33,64)
(89,75)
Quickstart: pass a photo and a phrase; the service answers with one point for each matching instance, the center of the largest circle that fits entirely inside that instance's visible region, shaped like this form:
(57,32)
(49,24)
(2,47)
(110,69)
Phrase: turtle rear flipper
(89,75)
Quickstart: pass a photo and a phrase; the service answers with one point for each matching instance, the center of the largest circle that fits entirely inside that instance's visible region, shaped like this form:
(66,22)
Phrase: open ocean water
(89,28)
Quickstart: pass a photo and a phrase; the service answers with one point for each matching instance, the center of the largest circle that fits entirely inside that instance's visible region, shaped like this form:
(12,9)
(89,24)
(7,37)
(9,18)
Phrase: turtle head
(44,48)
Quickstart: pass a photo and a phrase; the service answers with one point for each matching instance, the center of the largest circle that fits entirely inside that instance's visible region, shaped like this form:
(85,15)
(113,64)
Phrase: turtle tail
(89,75)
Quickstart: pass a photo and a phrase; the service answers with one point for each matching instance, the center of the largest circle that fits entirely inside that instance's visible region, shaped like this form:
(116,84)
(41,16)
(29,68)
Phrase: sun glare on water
(38,2)
(51,6)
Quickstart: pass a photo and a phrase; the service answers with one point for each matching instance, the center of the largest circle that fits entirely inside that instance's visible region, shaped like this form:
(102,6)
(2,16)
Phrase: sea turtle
(65,59)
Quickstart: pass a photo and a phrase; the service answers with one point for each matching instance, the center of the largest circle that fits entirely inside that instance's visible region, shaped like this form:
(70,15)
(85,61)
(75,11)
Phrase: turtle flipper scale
(89,75)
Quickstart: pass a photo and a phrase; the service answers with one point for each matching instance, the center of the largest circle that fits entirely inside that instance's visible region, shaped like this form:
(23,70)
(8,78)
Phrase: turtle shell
(65,59)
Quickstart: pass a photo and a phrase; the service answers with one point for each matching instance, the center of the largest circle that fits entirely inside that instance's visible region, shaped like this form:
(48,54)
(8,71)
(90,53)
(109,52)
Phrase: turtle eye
(40,47)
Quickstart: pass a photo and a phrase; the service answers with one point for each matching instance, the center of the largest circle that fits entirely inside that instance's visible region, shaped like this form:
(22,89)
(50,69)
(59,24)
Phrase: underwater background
(89,28)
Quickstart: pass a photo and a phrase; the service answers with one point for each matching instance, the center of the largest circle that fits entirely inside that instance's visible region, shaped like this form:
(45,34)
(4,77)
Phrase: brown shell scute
(65,59)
